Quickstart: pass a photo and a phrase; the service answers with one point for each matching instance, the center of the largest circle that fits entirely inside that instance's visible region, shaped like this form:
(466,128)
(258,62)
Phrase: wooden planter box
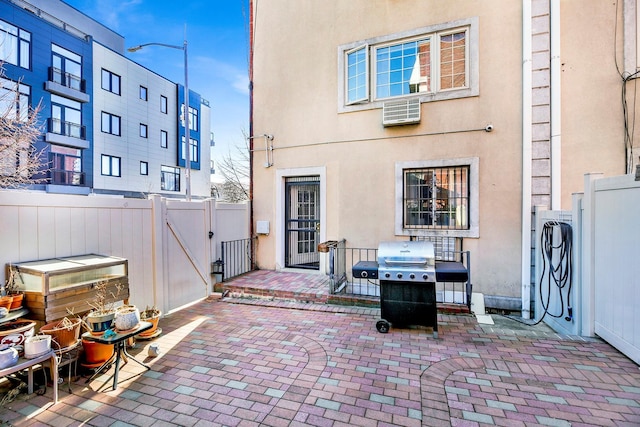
(51,286)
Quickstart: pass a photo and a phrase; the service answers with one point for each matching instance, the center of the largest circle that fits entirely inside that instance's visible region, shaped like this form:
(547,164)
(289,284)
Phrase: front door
(302,222)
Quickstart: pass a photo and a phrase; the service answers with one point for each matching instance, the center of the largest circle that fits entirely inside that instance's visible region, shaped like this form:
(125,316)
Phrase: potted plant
(150,314)
(103,312)
(12,289)
(127,317)
(64,332)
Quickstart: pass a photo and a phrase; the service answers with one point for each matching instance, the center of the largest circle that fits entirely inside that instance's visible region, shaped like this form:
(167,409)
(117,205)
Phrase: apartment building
(112,126)
(452,121)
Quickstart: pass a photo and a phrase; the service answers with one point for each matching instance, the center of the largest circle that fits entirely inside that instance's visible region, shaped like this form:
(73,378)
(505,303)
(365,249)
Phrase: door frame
(281,175)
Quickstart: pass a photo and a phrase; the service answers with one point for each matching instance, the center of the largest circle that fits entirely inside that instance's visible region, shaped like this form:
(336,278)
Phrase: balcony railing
(73,130)
(67,79)
(65,177)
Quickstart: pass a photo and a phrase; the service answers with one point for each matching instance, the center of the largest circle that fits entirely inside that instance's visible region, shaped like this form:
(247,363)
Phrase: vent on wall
(403,112)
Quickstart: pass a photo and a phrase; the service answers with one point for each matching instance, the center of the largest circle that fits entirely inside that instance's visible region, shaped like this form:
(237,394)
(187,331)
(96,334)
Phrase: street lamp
(187,136)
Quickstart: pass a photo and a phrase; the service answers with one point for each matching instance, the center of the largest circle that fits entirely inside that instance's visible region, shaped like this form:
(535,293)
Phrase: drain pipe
(556,125)
(526,158)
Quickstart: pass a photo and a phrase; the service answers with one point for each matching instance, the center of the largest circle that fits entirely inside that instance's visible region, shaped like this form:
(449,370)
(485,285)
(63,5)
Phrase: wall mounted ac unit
(402,112)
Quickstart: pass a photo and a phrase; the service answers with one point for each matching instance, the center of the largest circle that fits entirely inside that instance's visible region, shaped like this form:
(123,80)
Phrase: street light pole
(187,131)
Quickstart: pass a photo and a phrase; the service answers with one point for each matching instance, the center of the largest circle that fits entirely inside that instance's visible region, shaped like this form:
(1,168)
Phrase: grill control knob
(425,276)
(412,276)
(399,275)
(387,275)
(364,274)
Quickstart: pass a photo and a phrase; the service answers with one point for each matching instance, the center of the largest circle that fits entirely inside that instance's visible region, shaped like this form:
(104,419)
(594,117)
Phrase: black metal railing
(235,258)
(69,80)
(59,127)
(65,177)
(446,292)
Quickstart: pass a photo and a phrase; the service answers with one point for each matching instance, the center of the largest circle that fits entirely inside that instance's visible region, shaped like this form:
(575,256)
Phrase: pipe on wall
(526,158)
(556,141)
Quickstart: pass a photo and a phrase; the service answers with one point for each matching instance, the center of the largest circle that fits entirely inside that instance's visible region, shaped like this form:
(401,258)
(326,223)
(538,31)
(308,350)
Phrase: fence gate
(187,255)
(302,222)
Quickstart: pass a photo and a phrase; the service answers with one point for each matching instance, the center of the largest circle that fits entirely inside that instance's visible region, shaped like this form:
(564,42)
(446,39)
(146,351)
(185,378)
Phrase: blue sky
(217,37)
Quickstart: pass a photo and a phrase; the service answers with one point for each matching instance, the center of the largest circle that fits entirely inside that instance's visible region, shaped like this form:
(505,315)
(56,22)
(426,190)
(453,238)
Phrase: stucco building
(385,120)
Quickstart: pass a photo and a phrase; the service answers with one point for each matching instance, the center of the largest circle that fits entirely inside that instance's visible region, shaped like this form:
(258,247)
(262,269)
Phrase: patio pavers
(263,362)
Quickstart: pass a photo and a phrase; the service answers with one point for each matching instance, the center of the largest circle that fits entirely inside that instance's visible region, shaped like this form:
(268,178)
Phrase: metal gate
(302,222)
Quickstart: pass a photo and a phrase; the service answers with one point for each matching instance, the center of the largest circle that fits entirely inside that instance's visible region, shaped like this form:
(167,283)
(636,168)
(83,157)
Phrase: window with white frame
(110,123)
(169,178)
(110,165)
(110,82)
(437,196)
(438,61)
(15,45)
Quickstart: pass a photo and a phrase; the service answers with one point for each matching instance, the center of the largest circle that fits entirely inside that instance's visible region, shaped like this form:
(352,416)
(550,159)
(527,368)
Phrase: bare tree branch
(21,164)
(235,172)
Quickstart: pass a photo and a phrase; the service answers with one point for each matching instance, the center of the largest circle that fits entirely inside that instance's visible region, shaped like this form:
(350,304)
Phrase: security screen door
(302,222)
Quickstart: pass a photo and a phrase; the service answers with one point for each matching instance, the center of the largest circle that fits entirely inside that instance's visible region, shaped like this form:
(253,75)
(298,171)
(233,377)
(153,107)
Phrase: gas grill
(407,261)
(407,276)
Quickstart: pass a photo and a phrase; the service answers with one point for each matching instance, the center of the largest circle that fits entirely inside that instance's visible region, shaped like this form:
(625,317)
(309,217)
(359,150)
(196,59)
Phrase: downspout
(251,42)
(556,142)
(526,158)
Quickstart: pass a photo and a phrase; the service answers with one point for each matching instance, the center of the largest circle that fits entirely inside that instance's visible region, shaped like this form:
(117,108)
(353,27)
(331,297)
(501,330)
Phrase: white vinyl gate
(169,244)
(605,264)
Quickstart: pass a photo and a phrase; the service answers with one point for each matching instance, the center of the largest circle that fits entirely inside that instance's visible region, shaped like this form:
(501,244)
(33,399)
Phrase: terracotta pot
(6,301)
(62,334)
(96,353)
(16,301)
(152,316)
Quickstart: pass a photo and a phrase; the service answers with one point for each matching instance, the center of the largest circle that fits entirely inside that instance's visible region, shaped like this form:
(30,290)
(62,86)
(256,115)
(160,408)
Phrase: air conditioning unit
(404,112)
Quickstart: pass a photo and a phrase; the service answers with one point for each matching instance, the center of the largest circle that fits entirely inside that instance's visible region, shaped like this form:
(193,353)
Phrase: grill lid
(414,255)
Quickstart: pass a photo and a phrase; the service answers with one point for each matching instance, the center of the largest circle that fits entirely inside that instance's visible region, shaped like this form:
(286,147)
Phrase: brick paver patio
(240,362)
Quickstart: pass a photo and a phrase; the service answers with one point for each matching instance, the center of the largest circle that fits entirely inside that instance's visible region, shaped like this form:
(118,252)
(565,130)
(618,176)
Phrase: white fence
(606,263)
(166,242)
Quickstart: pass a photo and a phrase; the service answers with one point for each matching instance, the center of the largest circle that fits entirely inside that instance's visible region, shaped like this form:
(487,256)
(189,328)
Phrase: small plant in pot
(127,317)
(150,314)
(12,289)
(101,317)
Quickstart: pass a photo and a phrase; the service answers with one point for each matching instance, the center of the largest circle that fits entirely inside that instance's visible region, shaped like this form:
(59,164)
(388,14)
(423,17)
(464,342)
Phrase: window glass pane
(395,67)
(25,48)
(163,139)
(357,75)
(115,122)
(106,81)
(106,165)
(453,61)
(106,122)
(115,88)
(115,166)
